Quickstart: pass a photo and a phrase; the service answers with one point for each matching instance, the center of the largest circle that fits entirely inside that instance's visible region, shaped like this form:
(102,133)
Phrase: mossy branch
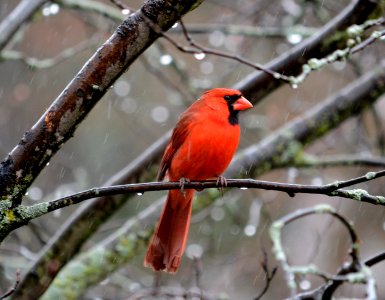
(355,272)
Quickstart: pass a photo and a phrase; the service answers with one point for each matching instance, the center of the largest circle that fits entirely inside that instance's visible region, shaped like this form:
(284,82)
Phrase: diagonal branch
(59,122)
(66,243)
(316,46)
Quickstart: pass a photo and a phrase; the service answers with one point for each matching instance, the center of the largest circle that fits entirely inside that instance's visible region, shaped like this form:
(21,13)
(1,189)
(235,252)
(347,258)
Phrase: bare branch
(380,257)
(269,275)
(255,87)
(27,213)
(316,46)
(245,30)
(12,289)
(11,24)
(355,272)
(59,122)
(35,63)
(347,160)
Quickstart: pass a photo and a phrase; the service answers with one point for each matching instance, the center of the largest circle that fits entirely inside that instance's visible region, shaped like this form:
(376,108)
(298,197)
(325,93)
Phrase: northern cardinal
(201,147)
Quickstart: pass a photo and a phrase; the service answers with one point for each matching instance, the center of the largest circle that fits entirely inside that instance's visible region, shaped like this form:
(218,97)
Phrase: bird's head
(227,100)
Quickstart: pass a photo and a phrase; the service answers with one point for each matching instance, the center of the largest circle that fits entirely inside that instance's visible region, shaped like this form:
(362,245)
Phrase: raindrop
(47,164)
(206,67)
(106,138)
(205,229)
(217,213)
(165,59)
(250,230)
(232,42)
(305,284)
(26,194)
(105,281)
(294,38)
(57,213)
(122,88)
(109,110)
(252,121)
(125,11)
(292,174)
(139,193)
(199,56)
(217,38)
(243,188)
(194,251)
(129,105)
(294,86)
(317,181)
(35,193)
(51,9)
(175,25)
(133,286)
(235,230)
(160,114)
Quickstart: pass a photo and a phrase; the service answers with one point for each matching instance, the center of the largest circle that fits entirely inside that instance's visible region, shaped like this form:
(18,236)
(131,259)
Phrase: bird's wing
(178,137)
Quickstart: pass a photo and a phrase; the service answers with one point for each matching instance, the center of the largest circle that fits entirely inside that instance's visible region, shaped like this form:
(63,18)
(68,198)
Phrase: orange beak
(242,104)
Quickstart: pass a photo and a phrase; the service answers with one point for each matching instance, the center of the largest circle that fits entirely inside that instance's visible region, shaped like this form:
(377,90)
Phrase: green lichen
(324,209)
(275,236)
(94,265)
(370,175)
(355,194)
(305,270)
(31,212)
(9,216)
(358,277)
(380,200)
(5,204)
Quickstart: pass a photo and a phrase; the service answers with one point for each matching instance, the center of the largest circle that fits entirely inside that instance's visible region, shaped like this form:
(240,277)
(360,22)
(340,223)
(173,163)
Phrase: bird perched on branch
(201,147)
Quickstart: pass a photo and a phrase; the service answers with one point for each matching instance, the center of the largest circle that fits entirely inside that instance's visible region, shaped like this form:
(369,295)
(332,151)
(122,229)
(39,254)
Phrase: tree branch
(245,30)
(11,24)
(316,46)
(347,160)
(59,122)
(355,272)
(67,241)
(332,189)
(285,146)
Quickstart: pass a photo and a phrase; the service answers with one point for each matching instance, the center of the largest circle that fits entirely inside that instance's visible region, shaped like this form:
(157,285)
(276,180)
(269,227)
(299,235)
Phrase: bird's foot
(182,182)
(221,183)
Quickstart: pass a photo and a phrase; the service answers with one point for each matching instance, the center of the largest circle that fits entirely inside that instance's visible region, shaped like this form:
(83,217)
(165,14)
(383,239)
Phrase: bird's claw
(182,182)
(221,183)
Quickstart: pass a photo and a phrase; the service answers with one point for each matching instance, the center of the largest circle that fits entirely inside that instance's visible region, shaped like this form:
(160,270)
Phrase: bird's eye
(227,98)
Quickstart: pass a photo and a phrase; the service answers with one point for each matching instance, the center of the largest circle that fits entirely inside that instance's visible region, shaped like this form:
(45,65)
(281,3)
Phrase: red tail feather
(169,240)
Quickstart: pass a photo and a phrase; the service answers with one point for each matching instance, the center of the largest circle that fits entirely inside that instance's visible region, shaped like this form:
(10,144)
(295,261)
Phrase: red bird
(201,147)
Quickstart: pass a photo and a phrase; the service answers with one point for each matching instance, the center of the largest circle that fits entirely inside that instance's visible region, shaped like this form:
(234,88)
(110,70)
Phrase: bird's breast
(206,152)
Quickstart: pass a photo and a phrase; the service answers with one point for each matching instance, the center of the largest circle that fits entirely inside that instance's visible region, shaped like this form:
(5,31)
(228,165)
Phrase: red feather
(201,147)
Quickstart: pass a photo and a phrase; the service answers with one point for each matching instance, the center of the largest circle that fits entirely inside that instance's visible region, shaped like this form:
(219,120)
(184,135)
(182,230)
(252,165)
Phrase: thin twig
(356,269)
(12,289)
(247,30)
(36,63)
(268,275)
(380,257)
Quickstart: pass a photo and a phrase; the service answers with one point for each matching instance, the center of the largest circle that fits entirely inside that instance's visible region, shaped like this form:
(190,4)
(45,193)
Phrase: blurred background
(227,239)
